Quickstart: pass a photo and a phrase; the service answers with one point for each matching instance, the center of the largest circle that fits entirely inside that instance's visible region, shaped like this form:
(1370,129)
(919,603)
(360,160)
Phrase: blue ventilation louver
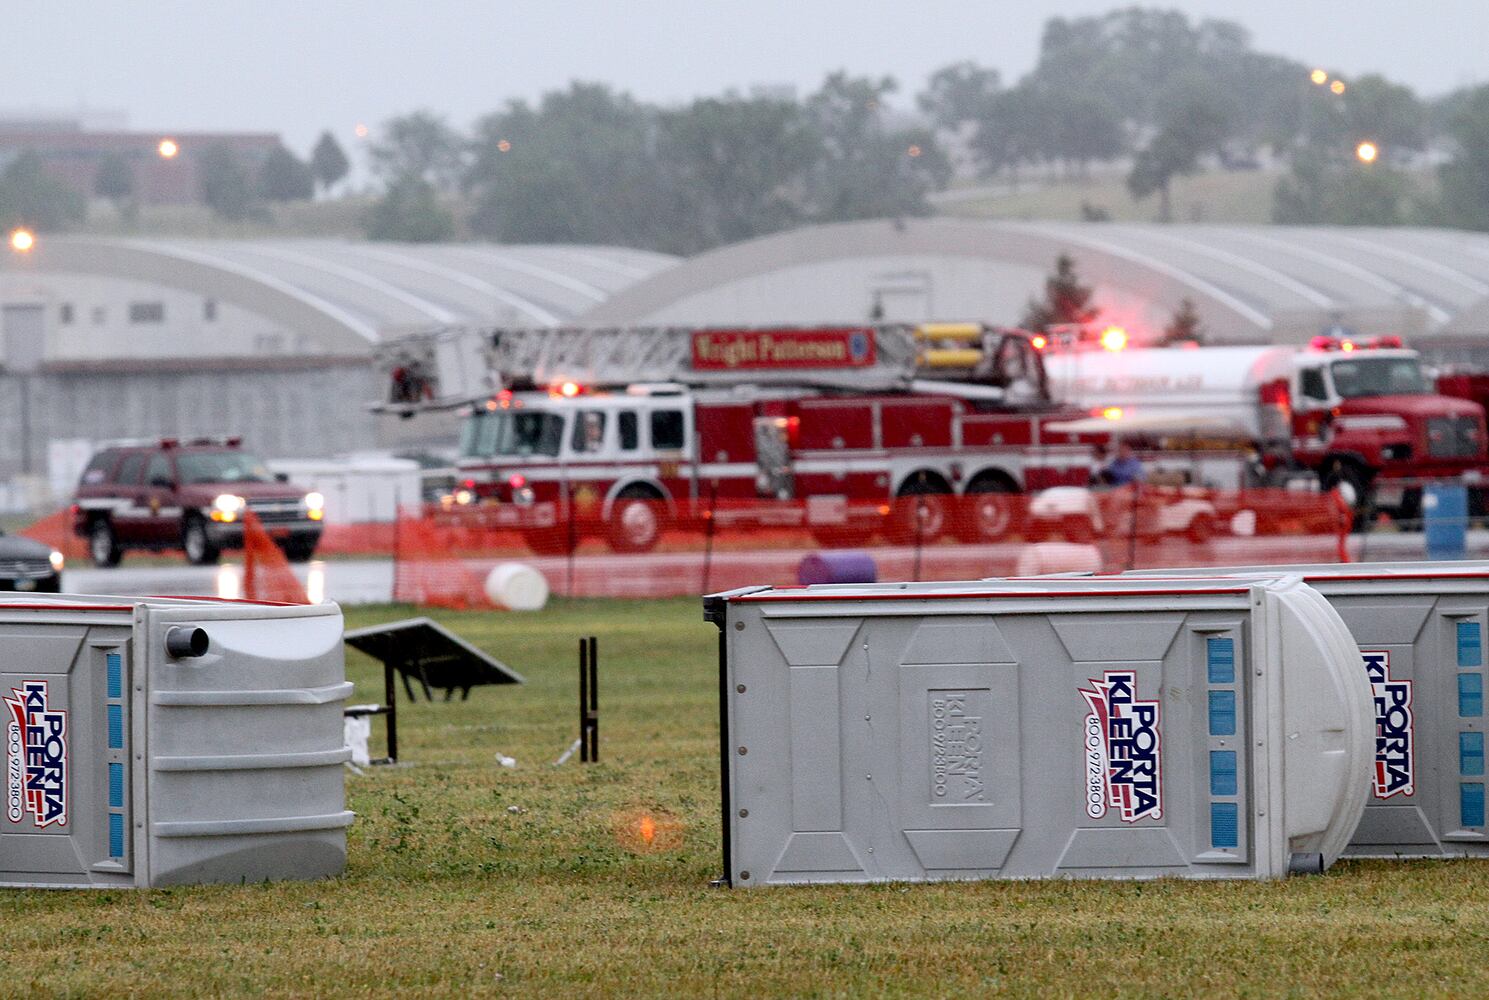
(116,727)
(1225,824)
(1470,695)
(1221,656)
(1470,645)
(1222,772)
(1222,713)
(116,835)
(116,675)
(1471,754)
(1471,803)
(116,786)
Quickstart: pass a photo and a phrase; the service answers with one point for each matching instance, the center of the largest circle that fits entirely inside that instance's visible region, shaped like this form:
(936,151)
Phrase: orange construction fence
(642,548)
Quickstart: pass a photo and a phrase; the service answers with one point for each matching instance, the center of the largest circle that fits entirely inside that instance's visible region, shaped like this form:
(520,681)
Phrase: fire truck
(618,433)
(1362,416)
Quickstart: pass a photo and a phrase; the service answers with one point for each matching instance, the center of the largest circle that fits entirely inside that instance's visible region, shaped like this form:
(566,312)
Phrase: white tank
(1214,382)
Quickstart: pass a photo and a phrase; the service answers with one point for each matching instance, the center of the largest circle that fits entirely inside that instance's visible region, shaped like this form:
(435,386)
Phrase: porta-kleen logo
(1395,773)
(1122,750)
(36,757)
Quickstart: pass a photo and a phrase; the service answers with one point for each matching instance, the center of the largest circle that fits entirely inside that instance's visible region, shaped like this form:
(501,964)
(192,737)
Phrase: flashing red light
(1347,346)
(1388,340)
(1323,342)
(517,481)
(1040,342)
(569,389)
(469,484)
(1114,338)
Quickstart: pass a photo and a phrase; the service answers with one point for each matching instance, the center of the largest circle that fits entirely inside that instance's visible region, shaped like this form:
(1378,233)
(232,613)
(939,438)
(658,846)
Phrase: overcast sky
(298,66)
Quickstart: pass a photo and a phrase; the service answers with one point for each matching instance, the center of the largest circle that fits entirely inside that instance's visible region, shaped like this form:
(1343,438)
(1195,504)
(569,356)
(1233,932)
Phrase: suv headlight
(56,560)
(227,506)
(315,506)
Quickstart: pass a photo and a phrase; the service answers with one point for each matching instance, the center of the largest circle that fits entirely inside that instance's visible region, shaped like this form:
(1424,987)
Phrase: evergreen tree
(1066,300)
(1185,327)
(328,163)
(284,177)
(29,196)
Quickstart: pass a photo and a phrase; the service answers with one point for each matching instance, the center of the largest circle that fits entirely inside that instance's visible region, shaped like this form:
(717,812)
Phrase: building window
(64,314)
(209,310)
(147,312)
(100,315)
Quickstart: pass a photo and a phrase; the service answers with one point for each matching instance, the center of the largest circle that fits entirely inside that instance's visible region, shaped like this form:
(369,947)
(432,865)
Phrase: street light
(168,149)
(1367,152)
(1319,77)
(1337,87)
(22,240)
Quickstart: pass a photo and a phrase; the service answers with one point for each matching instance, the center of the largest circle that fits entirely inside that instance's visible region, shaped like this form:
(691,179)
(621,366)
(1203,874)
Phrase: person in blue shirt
(1124,467)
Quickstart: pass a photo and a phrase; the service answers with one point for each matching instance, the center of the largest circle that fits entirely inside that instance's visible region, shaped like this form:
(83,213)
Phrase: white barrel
(517,587)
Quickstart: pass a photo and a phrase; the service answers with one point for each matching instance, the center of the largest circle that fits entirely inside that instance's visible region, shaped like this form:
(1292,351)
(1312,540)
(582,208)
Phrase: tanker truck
(1363,417)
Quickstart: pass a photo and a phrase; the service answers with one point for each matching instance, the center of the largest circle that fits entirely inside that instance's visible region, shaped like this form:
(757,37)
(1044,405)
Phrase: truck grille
(1452,437)
(277,511)
(25,569)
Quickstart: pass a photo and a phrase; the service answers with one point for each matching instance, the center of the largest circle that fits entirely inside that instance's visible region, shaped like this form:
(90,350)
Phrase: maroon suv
(190,495)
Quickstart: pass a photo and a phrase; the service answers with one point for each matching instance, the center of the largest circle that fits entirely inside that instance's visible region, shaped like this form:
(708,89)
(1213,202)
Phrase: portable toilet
(156,741)
(1104,728)
(1419,628)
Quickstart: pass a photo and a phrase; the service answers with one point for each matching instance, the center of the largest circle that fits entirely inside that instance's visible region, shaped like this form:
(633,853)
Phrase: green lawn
(1218,197)
(468,878)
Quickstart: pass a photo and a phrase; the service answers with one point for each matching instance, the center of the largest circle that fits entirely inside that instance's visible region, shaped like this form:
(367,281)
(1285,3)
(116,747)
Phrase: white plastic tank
(1089,727)
(156,741)
(1420,632)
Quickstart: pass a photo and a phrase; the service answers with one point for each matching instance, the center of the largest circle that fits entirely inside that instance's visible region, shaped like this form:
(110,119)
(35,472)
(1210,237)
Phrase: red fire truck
(618,433)
(1361,416)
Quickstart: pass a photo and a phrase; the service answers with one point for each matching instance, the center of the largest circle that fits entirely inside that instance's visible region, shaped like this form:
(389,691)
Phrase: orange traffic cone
(266,572)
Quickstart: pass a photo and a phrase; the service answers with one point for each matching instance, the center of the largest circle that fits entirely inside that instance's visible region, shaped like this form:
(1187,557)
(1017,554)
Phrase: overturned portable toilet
(1106,728)
(1420,632)
(157,741)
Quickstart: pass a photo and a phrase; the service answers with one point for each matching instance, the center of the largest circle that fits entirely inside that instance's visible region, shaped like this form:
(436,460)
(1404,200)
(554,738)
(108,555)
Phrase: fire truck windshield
(1357,377)
(489,433)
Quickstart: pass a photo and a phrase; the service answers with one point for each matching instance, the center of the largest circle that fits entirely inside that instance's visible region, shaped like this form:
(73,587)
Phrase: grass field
(467,878)
(1217,197)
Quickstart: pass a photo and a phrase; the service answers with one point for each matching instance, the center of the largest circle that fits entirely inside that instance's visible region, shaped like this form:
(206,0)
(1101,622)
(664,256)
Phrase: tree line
(1144,90)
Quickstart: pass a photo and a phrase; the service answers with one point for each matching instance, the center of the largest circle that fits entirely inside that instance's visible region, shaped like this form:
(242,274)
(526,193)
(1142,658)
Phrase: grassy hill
(1213,197)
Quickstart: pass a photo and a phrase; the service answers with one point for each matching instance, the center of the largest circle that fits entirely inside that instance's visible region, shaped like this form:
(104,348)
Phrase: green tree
(959,93)
(1465,178)
(419,145)
(1185,327)
(734,168)
(285,177)
(328,162)
(1066,299)
(226,186)
(1084,129)
(868,170)
(29,196)
(1194,125)
(1014,131)
(579,167)
(410,212)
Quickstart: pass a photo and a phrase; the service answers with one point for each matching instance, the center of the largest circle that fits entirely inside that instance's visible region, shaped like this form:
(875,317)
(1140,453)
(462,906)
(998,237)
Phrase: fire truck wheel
(637,519)
(919,514)
(103,547)
(989,511)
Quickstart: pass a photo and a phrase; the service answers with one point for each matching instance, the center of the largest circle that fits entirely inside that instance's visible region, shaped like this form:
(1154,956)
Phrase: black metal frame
(589,700)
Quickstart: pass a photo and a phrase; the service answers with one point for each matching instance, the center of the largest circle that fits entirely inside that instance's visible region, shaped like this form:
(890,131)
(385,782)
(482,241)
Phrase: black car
(30,566)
